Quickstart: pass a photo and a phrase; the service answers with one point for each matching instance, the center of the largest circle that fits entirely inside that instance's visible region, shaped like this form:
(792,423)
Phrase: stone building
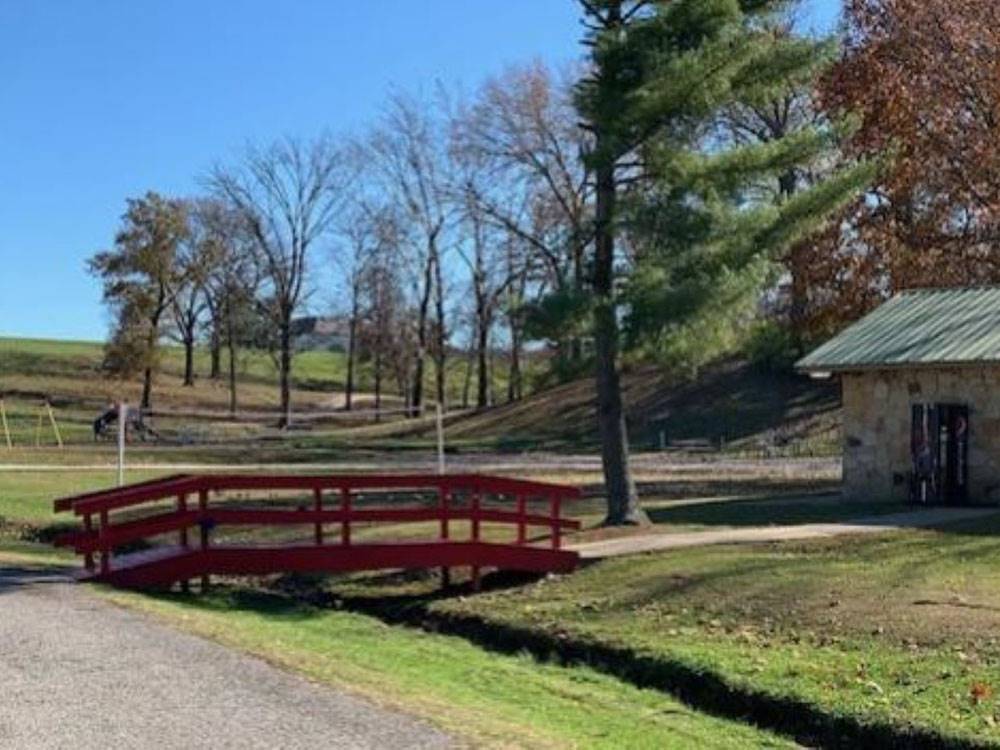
(920,378)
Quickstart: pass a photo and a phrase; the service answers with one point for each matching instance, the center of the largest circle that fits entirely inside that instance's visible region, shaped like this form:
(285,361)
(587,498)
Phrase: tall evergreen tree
(675,223)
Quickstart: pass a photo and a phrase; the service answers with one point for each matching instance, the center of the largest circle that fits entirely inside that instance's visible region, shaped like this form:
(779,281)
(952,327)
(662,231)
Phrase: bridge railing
(116,518)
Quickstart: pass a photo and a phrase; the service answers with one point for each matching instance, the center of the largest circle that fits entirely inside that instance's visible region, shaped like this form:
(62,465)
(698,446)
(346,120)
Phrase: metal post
(55,425)
(6,428)
(440,440)
(122,419)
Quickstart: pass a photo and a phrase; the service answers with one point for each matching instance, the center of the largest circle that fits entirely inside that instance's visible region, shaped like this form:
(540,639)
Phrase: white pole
(122,419)
(440,439)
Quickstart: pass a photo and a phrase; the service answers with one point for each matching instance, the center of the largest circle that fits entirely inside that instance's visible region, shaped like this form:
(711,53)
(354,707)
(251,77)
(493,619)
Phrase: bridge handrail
(110,533)
(165,488)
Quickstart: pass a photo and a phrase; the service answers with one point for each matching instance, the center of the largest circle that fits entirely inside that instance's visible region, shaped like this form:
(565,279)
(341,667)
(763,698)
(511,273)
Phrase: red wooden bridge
(193,526)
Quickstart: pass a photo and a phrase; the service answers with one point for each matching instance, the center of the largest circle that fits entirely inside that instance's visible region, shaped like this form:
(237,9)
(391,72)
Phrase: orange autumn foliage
(922,77)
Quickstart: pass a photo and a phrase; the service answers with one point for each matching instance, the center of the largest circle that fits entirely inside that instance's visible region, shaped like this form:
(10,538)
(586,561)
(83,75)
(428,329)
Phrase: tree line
(702,156)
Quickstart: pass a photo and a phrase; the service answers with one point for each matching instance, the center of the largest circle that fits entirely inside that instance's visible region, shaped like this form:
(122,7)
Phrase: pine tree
(676,221)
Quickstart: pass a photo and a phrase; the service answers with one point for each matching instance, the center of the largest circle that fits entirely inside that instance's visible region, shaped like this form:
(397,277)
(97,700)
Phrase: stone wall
(877,409)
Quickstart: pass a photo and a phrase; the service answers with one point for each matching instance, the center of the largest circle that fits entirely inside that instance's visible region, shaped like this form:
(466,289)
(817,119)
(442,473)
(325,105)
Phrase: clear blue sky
(100,101)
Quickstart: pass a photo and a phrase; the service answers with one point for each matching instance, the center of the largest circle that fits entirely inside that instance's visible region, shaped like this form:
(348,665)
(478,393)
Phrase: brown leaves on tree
(923,79)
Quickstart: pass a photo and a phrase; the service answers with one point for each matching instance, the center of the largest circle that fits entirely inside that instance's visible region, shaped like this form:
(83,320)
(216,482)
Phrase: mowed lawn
(901,630)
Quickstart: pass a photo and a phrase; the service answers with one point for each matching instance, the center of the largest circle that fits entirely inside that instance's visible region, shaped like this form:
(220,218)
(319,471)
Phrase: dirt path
(654,542)
(78,672)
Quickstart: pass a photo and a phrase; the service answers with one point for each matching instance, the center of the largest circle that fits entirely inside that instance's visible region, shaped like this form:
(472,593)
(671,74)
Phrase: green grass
(488,699)
(900,630)
(26,497)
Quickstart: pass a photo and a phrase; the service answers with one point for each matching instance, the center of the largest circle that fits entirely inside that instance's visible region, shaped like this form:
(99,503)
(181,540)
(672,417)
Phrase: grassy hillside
(731,405)
(69,374)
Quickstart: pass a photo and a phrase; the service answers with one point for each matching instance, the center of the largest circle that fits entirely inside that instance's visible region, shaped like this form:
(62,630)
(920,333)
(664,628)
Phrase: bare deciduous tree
(410,158)
(290,194)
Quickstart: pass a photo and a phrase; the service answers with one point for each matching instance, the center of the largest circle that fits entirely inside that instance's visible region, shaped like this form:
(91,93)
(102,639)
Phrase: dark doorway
(939,450)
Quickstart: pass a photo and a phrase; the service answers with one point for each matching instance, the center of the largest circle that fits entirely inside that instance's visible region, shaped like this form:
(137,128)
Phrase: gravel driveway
(78,672)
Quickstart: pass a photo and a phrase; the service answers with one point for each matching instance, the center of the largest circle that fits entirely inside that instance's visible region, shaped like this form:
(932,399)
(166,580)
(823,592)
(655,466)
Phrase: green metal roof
(914,328)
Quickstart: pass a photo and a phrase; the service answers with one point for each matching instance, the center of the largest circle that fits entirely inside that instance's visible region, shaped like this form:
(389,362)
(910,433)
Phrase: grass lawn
(485,698)
(902,630)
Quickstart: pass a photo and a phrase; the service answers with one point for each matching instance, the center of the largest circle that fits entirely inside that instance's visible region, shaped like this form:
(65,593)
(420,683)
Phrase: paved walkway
(654,542)
(78,672)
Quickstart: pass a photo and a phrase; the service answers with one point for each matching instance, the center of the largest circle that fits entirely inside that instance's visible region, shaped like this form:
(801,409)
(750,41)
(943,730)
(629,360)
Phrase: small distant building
(920,379)
(320,333)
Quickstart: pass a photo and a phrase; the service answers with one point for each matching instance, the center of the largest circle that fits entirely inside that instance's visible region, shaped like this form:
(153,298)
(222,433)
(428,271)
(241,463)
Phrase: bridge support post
(443,504)
(182,536)
(476,581)
(88,558)
(203,523)
(318,507)
(105,547)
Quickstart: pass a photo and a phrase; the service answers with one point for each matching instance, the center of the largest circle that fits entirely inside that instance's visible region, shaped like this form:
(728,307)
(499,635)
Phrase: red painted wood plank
(266,517)
(182,565)
(66,503)
(136,495)
(131,531)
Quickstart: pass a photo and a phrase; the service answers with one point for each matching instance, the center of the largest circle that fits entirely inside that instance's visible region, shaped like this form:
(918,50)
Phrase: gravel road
(78,672)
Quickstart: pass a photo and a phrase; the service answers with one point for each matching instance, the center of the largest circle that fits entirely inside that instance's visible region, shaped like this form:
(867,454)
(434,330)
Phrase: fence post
(439,418)
(122,420)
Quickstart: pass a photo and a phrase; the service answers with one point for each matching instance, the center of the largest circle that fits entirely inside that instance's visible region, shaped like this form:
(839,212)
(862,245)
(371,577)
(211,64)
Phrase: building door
(954,448)
(939,451)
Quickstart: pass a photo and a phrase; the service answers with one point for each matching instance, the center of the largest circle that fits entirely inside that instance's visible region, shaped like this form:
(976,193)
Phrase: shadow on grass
(409,603)
(774,510)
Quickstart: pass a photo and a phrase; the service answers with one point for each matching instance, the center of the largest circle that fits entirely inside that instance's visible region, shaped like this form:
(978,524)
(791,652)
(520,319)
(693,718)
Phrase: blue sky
(100,101)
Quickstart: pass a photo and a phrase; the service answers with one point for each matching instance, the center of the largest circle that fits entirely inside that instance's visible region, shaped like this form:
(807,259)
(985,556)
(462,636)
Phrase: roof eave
(840,368)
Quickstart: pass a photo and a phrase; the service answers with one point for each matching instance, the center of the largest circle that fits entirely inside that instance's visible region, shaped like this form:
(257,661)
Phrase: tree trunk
(232,376)
(417,386)
(442,337)
(514,390)
(378,382)
(215,354)
(467,381)
(151,339)
(352,334)
(482,346)
(285,372)
(188,358)
(147,389)
(623,499)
